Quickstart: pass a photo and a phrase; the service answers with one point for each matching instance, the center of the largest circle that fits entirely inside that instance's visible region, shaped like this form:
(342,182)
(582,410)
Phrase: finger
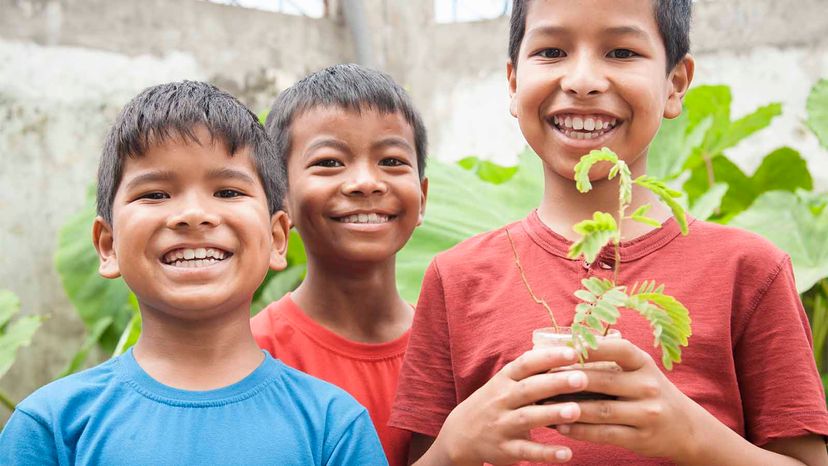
(627,413)
(631,385)
(622,352)
(539,360)
(532,416)
(609,434)
(542,386)
(537,452)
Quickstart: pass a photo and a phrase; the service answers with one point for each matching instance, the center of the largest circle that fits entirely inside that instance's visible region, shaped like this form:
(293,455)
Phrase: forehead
(357,126)
(591,17)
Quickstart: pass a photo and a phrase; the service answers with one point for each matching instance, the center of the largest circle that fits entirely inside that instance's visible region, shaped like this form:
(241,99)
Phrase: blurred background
(746,152)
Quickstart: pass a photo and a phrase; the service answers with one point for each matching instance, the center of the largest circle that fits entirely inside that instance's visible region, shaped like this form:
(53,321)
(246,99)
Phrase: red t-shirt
(749,361)
(369,372)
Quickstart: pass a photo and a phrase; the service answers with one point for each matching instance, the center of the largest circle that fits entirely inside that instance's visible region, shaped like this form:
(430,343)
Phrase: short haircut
(350,87)
(672,16)
(175,110)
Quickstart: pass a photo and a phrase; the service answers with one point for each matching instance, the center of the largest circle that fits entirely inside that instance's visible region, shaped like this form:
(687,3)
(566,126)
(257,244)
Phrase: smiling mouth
(195,257)
(583,126)
(365,218)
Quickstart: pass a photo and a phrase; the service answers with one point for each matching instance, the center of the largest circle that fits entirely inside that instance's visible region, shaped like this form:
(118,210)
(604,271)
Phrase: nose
(585,77)
(193,212)
(364,181)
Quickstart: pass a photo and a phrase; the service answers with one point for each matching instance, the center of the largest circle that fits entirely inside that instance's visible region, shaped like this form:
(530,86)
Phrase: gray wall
(67,66)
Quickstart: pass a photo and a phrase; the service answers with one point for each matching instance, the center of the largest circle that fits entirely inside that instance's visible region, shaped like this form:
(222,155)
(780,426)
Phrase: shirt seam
(760,296)
(364,412)
(448,332)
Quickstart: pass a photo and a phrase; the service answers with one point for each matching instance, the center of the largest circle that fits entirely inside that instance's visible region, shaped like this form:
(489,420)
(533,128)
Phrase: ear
(511,76)
(679,81)
(104,242)
(423,197)
(280,227)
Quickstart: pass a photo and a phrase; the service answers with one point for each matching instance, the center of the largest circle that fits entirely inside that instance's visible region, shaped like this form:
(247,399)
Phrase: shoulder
(748,249)
(60,398)
(480,252)
(323,398)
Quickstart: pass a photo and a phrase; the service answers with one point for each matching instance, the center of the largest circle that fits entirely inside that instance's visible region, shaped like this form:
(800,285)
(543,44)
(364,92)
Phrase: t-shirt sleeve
(358,445)
(781,389)
(27,441)
(426,392)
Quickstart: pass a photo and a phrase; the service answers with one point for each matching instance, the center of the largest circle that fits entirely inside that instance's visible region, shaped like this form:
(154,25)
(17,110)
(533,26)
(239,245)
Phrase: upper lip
(582,111)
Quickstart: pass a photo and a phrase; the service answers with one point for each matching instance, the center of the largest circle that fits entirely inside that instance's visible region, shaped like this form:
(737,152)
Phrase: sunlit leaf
(817,106)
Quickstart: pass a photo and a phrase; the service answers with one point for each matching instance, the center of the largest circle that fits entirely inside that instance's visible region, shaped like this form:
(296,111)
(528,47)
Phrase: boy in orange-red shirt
(354,150)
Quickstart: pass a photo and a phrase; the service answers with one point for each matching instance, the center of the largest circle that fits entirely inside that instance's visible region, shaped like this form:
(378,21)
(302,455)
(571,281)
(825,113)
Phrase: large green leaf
(13,334)
(488,171)
(277,283)
(818,111)
(787,220)
(461,205)
(93,296)
(783,169)
(674,144)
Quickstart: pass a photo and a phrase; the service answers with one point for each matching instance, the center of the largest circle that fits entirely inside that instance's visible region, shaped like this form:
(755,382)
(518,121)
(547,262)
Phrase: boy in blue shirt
(189,204)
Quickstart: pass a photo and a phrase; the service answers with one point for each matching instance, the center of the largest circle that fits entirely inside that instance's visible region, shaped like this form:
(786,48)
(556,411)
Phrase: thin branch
(526,283)
(5,401)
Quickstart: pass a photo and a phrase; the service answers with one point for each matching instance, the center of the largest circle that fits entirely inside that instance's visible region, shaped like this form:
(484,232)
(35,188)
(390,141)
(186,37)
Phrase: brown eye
(622,54)
(552,53)
(154,196)
(328,163)
(227,193)
(392,162)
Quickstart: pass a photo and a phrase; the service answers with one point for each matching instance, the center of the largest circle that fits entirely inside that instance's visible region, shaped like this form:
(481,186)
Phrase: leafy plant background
(473,196)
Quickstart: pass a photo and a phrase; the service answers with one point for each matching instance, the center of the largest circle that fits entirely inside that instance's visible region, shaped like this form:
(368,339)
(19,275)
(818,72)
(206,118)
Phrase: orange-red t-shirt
(749,362)
(369,372)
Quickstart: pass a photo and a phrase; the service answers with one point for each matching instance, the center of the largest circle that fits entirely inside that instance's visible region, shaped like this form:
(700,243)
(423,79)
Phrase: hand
(650,417)
(492,425)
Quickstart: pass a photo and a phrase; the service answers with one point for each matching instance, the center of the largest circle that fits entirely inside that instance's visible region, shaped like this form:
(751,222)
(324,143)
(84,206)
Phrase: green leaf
(130,335)
(787,220)
(674,144)
(92,338)
(13,334)
(647,221)
(747,125)
(668,196)
(277,286)
(488,171)
(584,165)
(461,205)
(585,296)
(595,234)
(708,203)
(783,169)
(740,193)
(817,106)
(93,296)
(669,319)
(642,211)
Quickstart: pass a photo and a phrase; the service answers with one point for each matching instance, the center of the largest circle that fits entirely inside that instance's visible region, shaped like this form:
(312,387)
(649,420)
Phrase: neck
(359,302)
(197,354)
(563,206)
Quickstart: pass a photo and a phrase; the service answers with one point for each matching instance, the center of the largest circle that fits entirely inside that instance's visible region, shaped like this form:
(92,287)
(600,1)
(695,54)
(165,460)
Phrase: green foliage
(601,299)
(460,205)
(13,335)
(595,234)
(488,171)
(789,222)
(96,299)
(277,283)
(817,106)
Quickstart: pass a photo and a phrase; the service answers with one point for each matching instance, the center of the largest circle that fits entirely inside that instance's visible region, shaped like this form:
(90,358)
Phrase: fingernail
(564,428)
(568,354)
(568,412)
(576,379)
(562,455)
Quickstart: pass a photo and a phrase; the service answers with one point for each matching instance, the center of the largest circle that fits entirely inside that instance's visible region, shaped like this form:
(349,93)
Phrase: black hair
(171,110)
(672,16)
(348,86)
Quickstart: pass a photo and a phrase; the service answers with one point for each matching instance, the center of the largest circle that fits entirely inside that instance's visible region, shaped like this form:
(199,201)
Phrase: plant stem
(526,283)
(7,402)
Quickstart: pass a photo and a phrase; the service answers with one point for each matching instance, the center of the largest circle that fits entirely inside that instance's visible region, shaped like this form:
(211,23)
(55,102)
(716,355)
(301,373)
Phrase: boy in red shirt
(354,148)
(583,75)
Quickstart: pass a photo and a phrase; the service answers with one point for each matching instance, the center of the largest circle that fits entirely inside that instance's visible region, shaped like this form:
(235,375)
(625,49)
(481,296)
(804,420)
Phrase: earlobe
(423,198)
(104,243)
(511,77)
(280,228)
(679,82)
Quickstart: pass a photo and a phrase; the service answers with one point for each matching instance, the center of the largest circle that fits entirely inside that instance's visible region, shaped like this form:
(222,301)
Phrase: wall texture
(69,65)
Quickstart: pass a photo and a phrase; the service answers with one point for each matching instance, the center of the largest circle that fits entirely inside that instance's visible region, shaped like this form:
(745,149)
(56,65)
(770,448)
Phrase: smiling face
(590,74)
(354,193)
(191,233)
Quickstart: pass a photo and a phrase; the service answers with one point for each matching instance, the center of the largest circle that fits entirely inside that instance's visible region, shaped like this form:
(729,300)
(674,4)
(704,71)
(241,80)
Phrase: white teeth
(577,123)
(568,122)
(189,254)
(589,124)
(201,253)
(364,218)
(194,257)
(599,125)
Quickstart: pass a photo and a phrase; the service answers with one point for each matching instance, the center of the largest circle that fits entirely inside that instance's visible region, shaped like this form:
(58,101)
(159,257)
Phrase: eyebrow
(327,142)
(230,174)
(150,177)
(550,30)
(393,141)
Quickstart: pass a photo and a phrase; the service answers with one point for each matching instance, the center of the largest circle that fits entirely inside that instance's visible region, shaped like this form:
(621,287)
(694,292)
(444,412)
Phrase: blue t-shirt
(116,414)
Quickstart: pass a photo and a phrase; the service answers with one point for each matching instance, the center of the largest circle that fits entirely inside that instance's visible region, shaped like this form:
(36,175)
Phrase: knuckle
(654,410)
(651,389)
(604,410)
